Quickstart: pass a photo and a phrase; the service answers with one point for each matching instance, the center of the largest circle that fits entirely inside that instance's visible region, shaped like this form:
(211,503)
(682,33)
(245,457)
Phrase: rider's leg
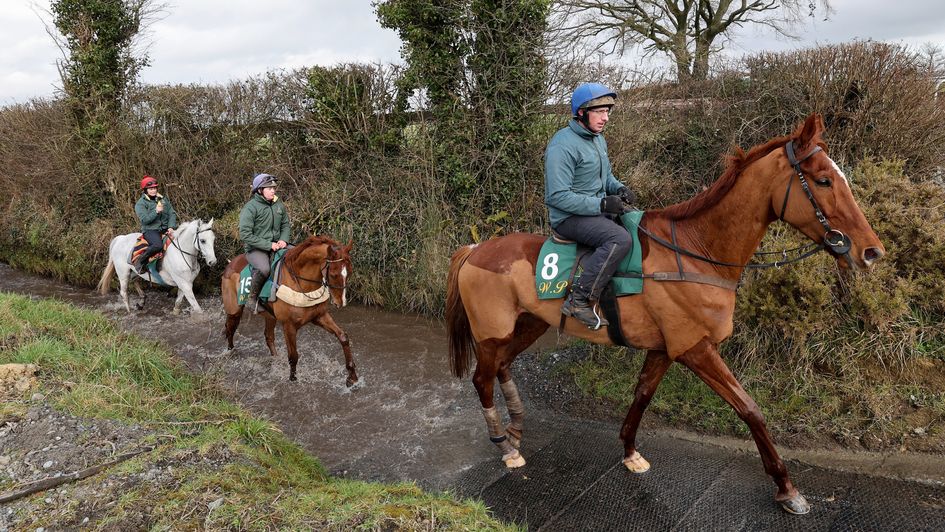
(612,242)
(155,245)
(259,260)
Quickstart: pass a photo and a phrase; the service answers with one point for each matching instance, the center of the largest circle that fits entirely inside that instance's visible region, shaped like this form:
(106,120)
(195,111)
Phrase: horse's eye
(823,182)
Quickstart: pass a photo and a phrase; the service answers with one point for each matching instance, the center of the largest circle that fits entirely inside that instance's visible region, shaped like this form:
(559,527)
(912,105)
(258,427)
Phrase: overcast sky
(213,41)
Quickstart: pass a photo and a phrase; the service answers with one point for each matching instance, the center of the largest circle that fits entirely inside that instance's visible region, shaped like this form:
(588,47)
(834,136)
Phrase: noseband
(835,241)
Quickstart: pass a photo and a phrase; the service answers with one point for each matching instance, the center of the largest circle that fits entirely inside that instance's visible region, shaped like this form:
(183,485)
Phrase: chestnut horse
(315,263)
(699,249)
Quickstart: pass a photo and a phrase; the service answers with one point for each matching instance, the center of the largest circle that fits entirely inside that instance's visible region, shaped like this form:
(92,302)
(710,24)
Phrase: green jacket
(146,209)
(577,173)
(262,223)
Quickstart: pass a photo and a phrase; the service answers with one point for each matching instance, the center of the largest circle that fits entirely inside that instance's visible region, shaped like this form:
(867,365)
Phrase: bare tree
(686,30)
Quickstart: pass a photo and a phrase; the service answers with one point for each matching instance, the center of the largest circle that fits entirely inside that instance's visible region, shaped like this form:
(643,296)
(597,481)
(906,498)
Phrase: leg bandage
(514,404)
(497,431)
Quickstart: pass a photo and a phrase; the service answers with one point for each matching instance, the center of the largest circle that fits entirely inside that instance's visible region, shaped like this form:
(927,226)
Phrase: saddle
(141,244)
(560,257)
(266,293)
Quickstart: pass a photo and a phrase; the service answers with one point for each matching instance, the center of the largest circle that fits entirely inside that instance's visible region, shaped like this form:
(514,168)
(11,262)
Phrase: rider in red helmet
(157,217)
(583,195)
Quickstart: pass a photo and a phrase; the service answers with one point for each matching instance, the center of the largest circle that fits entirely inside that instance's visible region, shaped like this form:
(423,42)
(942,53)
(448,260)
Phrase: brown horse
(685,310)
(317,263)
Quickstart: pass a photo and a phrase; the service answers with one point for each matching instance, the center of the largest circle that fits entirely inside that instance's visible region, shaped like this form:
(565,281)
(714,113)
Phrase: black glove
(612,205)
(627,195)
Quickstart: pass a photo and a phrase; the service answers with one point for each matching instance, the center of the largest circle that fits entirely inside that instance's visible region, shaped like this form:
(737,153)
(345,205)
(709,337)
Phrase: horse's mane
(309,242)
(735,165)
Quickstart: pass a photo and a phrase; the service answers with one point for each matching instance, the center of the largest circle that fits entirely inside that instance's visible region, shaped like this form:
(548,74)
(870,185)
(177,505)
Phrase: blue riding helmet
(263,181)
(587,92)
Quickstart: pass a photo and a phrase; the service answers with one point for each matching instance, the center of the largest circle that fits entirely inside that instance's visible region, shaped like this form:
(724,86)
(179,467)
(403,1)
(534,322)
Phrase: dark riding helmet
(148,182)
(588,95)
(263,181)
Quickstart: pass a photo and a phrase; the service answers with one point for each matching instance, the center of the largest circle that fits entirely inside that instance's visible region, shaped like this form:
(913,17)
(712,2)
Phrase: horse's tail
(458,331)
(105,282)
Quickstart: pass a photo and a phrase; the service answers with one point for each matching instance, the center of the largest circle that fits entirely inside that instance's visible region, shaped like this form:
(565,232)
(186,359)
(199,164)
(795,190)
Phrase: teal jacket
(262,223)
(577,173)
(151,220)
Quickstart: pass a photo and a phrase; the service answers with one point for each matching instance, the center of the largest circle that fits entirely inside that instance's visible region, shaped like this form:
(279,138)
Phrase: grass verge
(244,469)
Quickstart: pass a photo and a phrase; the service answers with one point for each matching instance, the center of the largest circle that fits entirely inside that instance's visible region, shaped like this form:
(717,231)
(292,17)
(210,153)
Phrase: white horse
(179,267)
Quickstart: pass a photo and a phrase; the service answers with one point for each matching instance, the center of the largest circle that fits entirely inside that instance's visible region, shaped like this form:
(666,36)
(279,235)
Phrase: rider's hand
(275,246)
(160,207)
(627,195)
(281,244)
(612,205)
(170,231)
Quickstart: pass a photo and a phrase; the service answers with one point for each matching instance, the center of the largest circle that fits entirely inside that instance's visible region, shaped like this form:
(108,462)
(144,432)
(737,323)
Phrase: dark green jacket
(577,173)
(262,223)
(146,209)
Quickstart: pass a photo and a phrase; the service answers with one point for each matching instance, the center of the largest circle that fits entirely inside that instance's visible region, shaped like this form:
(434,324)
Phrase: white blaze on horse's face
(205,242)
(344,284)
(839,171)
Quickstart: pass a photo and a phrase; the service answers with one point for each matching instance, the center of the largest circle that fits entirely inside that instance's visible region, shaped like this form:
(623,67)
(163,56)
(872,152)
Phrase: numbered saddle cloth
(556,260)
(267,291)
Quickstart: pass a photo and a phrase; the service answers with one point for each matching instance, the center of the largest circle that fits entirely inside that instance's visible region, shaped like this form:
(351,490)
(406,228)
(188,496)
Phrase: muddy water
(407,418)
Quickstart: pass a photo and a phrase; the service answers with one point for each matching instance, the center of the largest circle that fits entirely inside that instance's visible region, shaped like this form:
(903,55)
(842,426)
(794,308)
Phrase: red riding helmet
(148,182)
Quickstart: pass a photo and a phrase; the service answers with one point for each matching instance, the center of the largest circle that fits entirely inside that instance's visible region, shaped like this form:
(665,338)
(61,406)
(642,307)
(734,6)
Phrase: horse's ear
(349,245)
(810,132)
(210,223)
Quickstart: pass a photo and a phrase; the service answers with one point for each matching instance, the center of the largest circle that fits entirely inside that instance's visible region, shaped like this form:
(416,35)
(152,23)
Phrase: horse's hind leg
(704,360)
(527,329)
(232,322)
(326,322)
(651,374)
(484,381)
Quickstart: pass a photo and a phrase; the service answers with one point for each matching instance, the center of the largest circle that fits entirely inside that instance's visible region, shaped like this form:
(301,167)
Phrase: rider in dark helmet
(157,218)
(264,229)
(583,195)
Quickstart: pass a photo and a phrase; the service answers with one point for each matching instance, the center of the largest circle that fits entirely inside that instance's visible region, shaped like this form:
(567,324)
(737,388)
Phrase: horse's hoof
(796,505)
(636,463)
(292,378)
(513,460)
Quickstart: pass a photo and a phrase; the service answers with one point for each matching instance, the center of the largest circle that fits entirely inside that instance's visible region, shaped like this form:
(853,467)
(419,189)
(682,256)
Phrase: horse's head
(204,241)
(814,196)
(337,271)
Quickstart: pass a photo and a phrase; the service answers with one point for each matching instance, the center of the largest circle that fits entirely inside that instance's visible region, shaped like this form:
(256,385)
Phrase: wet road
(408,419)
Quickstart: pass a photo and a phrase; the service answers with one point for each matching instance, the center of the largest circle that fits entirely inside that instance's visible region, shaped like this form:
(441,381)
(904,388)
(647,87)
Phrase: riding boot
(579,307)
(258,280)
(141,265)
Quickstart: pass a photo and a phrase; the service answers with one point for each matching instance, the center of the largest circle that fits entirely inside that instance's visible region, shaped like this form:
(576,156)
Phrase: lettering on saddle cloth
(556,260)
(141,244)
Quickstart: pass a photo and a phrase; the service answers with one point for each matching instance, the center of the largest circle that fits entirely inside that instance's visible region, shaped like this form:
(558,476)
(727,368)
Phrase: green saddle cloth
(246,281)
(555,261)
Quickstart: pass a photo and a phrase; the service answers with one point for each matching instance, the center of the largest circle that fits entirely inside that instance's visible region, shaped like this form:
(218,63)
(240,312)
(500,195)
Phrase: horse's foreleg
(704,360)
(187,289)
(290,330)
(326,322)
(270,332)
(180,297)
(651,374)
(484,381)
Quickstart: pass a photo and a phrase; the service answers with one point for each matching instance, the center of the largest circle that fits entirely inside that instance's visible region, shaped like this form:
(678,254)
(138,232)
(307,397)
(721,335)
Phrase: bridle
(837,243)
(197,247)
(834,241)
(319,282)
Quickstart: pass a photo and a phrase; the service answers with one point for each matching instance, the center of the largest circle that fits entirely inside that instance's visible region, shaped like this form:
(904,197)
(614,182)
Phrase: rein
(186,254)
(834,240)
(320,282)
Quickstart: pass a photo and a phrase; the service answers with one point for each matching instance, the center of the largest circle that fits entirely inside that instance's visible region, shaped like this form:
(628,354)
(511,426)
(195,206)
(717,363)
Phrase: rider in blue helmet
(583,198)
(264,229)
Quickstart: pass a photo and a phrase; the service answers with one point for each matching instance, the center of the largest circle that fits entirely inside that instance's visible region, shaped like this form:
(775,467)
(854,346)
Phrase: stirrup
(587,315)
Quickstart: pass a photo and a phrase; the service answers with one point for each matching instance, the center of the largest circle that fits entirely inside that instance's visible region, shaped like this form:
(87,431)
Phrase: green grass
(90,368)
